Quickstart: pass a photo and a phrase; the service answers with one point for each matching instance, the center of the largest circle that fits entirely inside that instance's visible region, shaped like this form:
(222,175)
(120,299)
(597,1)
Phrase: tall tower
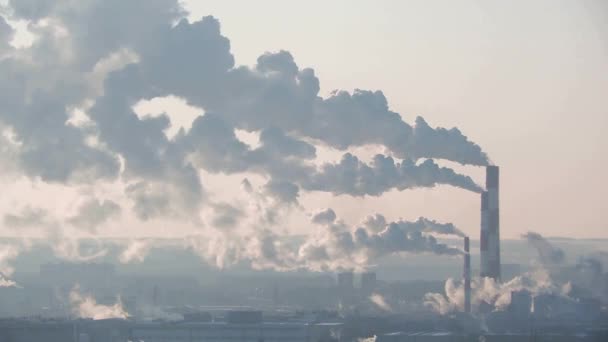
(490,226)
(467,276)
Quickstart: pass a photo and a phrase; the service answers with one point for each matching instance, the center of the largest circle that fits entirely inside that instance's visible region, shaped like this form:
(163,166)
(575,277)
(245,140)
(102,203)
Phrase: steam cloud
(84,306)
(67,117)
(489,291)
(549,254)
(334,246)
(379,301)
(104,70)
(552,276)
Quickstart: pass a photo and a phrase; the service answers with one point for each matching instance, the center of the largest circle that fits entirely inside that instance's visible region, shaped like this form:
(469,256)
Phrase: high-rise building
(490,226)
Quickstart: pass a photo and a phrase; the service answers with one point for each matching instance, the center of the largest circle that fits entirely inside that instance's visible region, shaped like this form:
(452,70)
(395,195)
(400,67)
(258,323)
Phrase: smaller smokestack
(467,276)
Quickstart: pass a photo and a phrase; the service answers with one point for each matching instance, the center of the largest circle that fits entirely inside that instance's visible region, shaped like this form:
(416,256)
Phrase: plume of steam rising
(552,276)
(85,306)
(7,254)
(334,246)
(549,255)
(379,301)
(586,274)
(192,60)
(135,252)
(487,290)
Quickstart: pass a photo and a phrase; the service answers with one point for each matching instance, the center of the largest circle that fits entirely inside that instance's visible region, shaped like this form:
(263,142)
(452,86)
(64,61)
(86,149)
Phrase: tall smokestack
(467,276)
(490,229)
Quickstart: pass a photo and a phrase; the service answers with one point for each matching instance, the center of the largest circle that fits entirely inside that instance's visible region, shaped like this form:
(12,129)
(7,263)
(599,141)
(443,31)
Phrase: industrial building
(237,326)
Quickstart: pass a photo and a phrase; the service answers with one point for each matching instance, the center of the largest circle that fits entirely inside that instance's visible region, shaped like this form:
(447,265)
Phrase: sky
(97,92)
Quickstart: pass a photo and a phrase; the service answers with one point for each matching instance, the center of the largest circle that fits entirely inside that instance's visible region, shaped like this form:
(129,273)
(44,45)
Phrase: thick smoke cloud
(111,54)
(552,276)
(331,245)
(108,42)
(586,275)
(85,306)
(487,291)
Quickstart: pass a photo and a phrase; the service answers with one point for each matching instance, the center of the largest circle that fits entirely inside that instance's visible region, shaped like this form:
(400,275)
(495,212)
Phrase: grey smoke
(326,216)
(585,275)
(226,215)
(334,246)
(28,217)
(353,177)
(192,60)
(338,246)
(549,254)
(95,212)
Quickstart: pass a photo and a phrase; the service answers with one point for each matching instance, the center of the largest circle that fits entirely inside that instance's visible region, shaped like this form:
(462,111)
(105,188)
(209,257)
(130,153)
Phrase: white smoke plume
(369,339)
(487,290)
(85,306)
(586,274)
(7,254)
(104,67)
(379,301)
(135,252)
(332,245)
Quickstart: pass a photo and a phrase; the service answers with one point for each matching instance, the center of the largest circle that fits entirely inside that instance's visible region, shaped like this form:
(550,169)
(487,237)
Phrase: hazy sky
(525,80)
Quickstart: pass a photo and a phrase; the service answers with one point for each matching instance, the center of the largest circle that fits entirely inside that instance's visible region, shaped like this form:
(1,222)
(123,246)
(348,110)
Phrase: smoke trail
(135,252)
(337,246)
(586,275)
(192,61)
(8,253)
(549,254)
(487,290)
(379,301)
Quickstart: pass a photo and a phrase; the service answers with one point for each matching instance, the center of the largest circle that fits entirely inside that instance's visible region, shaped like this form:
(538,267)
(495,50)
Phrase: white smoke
(7,254)
(488,290)
(369,339)
(85,306)
(586,274)
(380,302)
(135,252)
(191,60)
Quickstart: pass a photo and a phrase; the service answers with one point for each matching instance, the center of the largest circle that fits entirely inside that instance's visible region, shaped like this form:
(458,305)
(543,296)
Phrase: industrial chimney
(467,276)
(490,230)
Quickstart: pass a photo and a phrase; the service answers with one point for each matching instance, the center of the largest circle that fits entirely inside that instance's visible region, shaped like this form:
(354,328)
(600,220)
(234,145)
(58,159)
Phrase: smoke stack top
(492,174)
